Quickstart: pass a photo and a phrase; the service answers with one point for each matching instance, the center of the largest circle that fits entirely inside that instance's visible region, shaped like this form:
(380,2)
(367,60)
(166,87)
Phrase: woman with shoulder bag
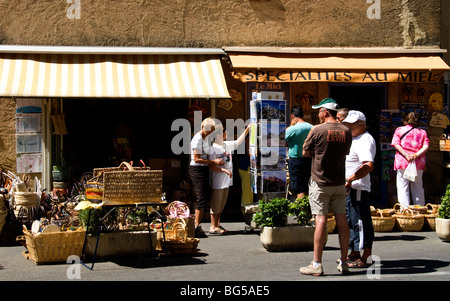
(411,144)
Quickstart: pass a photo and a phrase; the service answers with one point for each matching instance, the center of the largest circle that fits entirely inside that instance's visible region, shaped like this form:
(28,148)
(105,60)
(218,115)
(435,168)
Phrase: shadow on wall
(272,10)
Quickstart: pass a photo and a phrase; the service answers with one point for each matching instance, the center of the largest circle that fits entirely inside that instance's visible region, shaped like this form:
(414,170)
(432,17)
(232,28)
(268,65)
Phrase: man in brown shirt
(328,144)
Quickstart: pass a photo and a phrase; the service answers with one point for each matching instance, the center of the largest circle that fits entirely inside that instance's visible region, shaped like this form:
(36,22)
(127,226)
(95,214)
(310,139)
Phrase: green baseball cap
(327,103)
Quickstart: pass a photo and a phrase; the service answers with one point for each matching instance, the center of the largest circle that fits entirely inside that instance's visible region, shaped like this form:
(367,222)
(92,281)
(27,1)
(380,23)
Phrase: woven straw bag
(132,186)
(26,199)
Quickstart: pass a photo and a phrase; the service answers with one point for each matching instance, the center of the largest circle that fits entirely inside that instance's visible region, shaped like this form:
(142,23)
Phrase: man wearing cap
(359,164)
(328,144)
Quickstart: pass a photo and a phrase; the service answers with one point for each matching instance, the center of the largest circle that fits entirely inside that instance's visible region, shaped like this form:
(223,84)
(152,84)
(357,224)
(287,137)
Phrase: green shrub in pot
(444,209)
(272,213)
(301,209)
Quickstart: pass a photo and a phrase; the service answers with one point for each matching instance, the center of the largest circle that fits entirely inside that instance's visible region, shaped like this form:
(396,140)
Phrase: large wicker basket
(408,221)
(131,186)
(54,247)
(382,222)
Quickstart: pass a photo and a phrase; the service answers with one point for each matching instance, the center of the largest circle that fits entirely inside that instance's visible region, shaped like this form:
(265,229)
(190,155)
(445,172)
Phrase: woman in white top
(221,176)
(199,171)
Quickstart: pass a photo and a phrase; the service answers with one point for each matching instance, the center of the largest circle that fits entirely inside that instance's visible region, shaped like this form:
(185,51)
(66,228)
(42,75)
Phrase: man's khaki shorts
(325,199)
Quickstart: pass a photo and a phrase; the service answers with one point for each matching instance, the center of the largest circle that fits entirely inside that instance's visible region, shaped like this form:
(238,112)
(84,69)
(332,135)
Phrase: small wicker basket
(177,242)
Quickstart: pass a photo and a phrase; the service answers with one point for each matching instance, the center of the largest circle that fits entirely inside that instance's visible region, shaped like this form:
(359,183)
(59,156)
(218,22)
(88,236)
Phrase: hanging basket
(382,222)
(408,221)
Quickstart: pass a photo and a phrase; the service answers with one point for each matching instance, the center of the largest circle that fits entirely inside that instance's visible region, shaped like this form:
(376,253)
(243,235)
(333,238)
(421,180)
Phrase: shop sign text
(339,76)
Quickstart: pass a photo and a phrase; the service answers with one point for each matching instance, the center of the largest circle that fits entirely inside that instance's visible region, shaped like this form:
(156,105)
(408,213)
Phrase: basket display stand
(113,207)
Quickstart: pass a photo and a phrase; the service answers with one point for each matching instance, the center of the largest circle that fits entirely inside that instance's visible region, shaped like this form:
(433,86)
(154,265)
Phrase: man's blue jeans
(359,220)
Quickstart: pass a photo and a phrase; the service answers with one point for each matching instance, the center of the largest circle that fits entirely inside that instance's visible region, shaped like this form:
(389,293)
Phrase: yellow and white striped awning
(112,75)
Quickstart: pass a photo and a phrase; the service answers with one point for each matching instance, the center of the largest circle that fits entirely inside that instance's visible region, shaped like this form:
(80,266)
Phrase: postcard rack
(267,145)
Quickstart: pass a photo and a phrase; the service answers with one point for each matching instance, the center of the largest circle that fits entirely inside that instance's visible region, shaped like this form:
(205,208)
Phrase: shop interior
(106,132)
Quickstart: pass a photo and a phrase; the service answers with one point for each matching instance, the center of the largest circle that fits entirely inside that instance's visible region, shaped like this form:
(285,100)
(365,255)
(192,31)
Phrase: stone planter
(292,237)
(120,244)
(443,228)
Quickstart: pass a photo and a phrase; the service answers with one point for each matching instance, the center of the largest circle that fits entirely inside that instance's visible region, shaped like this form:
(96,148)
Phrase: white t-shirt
(363,149)
(220,180)
(201,146)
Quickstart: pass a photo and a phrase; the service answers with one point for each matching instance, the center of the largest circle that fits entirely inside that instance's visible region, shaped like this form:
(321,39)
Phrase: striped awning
(112,75)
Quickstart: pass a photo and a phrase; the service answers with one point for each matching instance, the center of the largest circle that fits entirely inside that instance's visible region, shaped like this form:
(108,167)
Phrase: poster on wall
(29,163)
(28,144)
(28,123)
(274,181)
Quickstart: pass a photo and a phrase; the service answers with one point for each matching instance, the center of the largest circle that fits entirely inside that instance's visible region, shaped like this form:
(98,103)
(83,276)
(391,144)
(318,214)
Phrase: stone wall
(7,134)
(219,23)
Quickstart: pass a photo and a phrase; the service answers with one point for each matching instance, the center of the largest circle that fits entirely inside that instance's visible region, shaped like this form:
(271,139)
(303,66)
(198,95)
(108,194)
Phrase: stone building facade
(337,27)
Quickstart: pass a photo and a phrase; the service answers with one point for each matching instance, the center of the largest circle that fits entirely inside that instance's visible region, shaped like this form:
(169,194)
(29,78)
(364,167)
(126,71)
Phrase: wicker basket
(331,224)
(417,209)
(177,241)
(54,247)
(430,221)
(433,207)
(26,199)
(382,222)
(408,221)
(131,186)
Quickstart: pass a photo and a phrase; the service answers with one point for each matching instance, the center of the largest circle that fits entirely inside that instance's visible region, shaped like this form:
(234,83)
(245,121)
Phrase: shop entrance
(106,132)
(369,99)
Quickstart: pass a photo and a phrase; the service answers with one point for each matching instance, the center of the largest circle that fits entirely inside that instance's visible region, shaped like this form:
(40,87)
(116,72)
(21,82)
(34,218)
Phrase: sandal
(216,231)
(353,258)
(359,263)
(225,231)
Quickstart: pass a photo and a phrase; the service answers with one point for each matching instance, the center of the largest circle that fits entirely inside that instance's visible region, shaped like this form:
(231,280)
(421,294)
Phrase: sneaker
(199,233)
(310,270)
(343,268)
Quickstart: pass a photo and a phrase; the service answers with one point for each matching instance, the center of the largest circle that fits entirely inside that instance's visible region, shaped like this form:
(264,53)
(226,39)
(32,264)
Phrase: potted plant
(276,234)
(443,218)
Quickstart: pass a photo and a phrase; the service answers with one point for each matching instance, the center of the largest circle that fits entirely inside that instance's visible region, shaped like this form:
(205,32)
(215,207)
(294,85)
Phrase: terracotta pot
(443,228)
